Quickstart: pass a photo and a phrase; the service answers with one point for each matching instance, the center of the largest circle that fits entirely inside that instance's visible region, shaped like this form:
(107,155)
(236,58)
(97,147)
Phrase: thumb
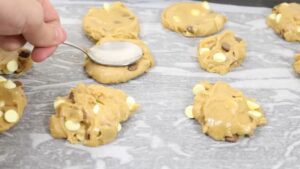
(45,34)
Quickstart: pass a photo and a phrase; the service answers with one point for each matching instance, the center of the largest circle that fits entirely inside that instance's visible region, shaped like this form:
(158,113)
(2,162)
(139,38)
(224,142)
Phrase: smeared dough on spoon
(116,53)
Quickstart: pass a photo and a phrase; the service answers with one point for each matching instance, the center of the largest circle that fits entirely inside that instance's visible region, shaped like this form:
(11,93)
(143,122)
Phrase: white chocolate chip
(96,129)
(96,109)
(176,19)
(1,113)
(284,4)
(10,84)
(116,53)
(255,114)
(195,12)
(58,102)
(298,29)
(11,116)
(106,6)
(198,89)
(72,125)
(2,103)
(130,102)
(119,127)
(219,57)
(272,16)
(205,5)
(203,50)
(252,105)
(12,66)
(189,112)
(278,18)
(2,79)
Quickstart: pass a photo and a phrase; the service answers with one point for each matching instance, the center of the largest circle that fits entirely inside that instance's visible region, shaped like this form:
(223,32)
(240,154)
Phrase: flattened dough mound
(114,20)
(12,103)
(91,114)
(224,112)
(221,53)
(110,74)
(192,19)
(285,21)
(297,63)
(18,62)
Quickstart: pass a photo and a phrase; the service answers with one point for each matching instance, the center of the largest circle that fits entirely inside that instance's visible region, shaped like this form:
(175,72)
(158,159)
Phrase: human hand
(33,21)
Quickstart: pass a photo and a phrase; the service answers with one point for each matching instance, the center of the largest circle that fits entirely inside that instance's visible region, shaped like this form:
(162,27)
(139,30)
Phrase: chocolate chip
(232,139)
(190,29)
(132,67)
(87,136)
(18,83)
(71,97)
(125,15)
(24,53)
(282,32)
(226,46)
(117,22)
(238,39)
(99,134)
(131,18)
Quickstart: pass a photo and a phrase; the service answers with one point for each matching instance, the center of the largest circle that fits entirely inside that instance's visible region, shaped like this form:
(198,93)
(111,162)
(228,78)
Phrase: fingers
(40,54)
(11,43)
(42,33)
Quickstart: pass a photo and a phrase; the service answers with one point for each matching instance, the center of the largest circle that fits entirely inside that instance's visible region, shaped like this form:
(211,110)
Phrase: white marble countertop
(159,136)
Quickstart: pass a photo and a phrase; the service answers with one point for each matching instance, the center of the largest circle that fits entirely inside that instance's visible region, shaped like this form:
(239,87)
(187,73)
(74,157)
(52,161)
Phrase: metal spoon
(115,57)
(84,50)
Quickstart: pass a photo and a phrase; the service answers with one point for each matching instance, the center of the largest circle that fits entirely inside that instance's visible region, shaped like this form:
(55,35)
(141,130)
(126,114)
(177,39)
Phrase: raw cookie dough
(91,114)
(12,103)
(111,20)
(297,63)
(114,74)
(285,21)
(224,112)
(192,19)
(221,53)
(17,62)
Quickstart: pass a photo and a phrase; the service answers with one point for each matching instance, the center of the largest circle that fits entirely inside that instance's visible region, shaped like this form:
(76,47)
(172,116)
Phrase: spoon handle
(76,46)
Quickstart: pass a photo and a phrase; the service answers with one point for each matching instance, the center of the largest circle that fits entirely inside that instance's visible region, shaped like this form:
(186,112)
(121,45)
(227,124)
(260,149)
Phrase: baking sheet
(159,136)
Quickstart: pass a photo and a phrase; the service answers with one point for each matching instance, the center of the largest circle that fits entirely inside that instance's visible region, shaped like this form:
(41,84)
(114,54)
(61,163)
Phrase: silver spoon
(84,50)
(97,51)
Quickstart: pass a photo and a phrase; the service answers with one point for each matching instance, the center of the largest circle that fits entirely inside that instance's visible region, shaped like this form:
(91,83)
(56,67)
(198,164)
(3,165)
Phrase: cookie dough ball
(111,20)
(91,114)
(118,74)
(12,103)
(221,53)
(297,63)
(17,62)
(224,112)
(285,21)
(192,19)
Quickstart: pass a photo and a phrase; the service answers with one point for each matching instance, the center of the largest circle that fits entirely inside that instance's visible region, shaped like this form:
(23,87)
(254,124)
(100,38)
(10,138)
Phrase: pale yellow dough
(15,62)
(297,63)
(221,53)
(112,20)
(12,103)
(285,21)
(120,74)
(224,112)
(91,115)
(192,19)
